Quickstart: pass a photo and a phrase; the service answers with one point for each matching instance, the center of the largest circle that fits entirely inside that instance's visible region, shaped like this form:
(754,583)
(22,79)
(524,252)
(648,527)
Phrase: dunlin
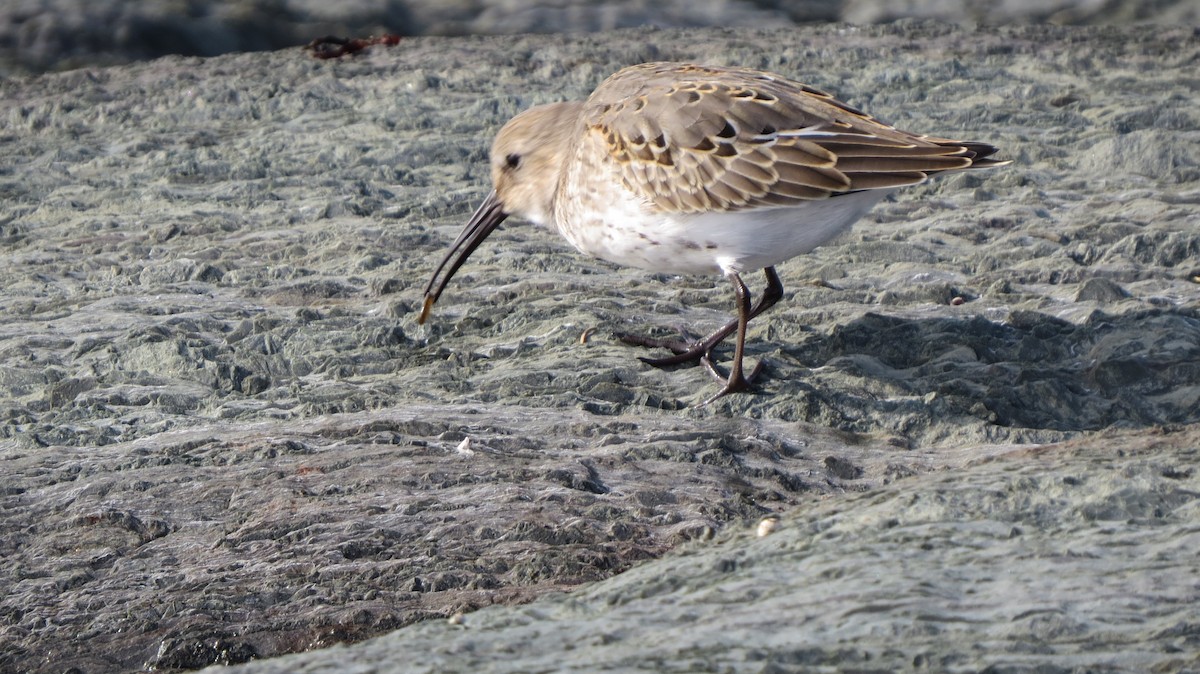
(688,169)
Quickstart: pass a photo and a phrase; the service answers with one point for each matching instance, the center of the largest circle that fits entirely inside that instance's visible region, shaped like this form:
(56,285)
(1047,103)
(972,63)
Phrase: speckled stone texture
(224,436)
(38,35)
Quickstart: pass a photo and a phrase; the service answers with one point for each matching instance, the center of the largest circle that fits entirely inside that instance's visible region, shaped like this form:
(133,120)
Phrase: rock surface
(37,35)
(225,436)
(1067,558)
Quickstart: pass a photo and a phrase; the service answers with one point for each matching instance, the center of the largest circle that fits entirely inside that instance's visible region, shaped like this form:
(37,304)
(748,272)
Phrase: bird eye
(512,161)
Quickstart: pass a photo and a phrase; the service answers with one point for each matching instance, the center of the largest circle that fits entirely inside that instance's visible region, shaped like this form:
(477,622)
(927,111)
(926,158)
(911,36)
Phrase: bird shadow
(1032,371)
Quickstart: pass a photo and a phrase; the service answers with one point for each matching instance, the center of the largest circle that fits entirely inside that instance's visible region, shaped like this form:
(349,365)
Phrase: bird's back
(693,139)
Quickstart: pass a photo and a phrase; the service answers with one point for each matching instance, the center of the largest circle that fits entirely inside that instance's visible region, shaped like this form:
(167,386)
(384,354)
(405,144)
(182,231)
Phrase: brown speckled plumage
(694,138)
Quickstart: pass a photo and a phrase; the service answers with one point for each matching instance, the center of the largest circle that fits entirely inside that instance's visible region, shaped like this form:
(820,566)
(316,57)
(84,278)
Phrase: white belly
(715,242)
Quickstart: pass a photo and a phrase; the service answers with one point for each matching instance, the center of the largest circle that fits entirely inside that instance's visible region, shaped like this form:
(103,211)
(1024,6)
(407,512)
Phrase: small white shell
(766,526)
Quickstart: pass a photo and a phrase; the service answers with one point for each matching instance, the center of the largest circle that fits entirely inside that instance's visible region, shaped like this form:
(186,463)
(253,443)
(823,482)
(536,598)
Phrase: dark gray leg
(701,350)
(736,381)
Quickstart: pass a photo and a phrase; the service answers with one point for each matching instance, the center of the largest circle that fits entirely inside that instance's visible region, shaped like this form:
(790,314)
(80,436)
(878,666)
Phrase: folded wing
(692,139)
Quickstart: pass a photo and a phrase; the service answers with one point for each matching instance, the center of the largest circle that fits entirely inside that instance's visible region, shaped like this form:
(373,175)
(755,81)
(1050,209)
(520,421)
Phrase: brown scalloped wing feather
(691,138)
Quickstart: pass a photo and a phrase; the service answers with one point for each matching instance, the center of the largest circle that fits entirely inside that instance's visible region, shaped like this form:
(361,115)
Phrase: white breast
(714,242)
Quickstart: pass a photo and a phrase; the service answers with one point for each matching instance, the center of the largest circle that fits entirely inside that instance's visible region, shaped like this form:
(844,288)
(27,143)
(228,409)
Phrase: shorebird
(688,169)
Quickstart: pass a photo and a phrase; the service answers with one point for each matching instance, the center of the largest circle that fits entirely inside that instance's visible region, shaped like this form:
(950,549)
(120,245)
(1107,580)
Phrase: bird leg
(736,381)
(701,350)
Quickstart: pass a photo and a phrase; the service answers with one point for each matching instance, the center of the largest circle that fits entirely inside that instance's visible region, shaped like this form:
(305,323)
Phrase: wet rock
(224,434)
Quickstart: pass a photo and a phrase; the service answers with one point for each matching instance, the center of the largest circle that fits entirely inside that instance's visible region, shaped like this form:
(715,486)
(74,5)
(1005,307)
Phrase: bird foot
(685,351)
(734,382)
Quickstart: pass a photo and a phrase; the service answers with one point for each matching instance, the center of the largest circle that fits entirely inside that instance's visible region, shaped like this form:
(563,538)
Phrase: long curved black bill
(486,219)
